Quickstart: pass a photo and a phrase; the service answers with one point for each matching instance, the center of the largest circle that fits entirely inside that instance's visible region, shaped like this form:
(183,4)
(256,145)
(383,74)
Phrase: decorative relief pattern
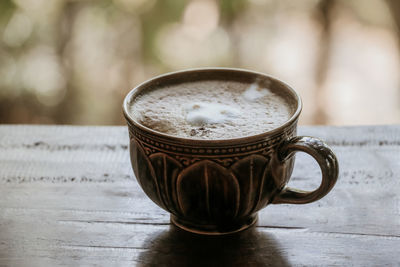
(188,159)
(152,144)
(206,184)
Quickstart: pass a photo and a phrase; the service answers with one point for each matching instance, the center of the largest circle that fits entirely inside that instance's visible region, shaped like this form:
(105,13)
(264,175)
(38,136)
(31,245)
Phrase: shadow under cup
(217,186)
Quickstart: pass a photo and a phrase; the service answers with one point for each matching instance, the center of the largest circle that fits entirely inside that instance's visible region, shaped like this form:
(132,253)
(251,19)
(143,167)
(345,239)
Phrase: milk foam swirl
(203,113)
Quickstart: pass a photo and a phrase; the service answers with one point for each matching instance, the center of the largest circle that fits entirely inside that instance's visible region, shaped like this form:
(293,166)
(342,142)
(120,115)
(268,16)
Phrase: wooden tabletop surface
(68,197)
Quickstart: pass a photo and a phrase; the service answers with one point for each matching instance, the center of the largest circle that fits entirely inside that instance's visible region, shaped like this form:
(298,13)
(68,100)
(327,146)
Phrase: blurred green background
(72,62)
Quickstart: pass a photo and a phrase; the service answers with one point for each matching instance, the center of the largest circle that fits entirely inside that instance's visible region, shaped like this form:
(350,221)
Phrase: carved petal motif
(145,173)
(166,171)
(208,192)
(250,172)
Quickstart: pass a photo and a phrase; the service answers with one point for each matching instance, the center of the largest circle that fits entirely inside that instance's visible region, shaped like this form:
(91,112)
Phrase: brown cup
(217,186)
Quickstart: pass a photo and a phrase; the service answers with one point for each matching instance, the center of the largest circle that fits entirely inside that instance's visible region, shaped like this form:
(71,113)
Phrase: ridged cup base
(223,229)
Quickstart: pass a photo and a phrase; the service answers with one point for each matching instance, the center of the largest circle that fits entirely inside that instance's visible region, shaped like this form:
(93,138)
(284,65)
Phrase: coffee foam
(203,113)
(211,109)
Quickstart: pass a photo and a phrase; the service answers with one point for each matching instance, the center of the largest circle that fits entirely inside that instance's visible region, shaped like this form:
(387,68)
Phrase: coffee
(211,182)
(211,109)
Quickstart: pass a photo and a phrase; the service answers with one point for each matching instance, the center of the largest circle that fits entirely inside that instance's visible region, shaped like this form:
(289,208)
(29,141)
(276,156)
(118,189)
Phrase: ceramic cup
(217,186)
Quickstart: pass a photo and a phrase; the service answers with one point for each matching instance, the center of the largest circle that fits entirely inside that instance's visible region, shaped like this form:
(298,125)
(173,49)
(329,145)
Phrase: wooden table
(68,197)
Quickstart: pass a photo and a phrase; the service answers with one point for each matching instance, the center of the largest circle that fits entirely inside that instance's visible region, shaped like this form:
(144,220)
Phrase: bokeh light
(72,62)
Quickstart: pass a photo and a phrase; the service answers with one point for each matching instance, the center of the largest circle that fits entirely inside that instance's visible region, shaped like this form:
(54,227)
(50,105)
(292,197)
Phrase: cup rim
(185,140)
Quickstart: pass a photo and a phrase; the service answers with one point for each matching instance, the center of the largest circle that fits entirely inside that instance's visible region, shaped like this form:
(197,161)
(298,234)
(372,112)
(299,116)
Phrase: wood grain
(68,197)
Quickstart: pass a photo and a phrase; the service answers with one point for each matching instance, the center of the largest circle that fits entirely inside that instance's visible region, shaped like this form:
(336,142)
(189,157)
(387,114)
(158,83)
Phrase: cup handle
(327,162)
